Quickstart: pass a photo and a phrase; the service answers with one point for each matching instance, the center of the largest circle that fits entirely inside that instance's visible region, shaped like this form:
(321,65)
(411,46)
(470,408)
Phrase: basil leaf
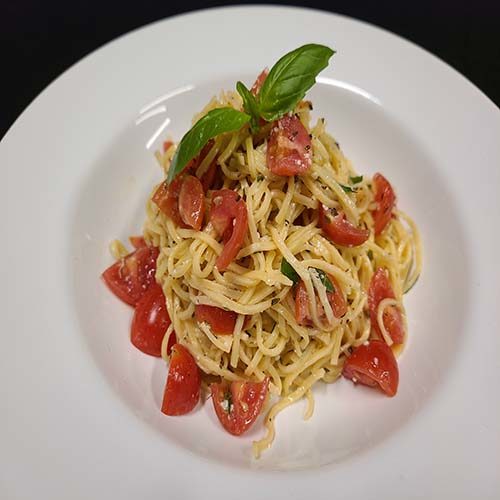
(250,105)
(325,280)
(356,180)
(289,271)
(215,122)
(347,189)
(290,78)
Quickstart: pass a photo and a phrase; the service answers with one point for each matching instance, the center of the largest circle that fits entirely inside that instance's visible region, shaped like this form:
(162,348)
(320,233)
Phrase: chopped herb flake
(325,280)
(289,271)
(356,180)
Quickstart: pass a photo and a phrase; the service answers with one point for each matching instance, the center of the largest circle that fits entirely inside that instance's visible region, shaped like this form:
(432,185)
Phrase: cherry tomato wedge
(130,277)
(385,198)
(238,404)
(150,322)
(339,229)
(380,289)
(222,209)
(220,321)
(336,299)
(137,241)
(166,198)
(373,364)
(229,218)
(289,147)
(182,390)
(259,82)
(191,202)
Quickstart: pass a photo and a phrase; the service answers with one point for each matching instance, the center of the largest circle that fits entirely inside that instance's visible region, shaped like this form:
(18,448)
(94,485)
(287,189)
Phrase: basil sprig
(215,122)
(289,271)
(287,82)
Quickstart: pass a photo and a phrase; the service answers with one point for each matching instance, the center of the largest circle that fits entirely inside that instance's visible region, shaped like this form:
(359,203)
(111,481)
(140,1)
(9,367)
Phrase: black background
(40,39)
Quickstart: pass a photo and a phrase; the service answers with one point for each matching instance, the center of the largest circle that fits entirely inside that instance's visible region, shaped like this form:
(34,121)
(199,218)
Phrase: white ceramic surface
(80,406)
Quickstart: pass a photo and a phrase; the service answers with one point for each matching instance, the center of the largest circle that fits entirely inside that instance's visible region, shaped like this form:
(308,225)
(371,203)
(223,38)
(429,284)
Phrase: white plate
(80,415)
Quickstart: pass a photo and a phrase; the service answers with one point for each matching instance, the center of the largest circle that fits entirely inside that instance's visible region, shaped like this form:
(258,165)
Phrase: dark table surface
(40,39)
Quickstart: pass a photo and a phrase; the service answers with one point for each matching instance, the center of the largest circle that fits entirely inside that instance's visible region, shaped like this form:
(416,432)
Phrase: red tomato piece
(302,305)
(150,322)
(182,390)
(289,147)
(380,289)
(130,277)
(167,199)
(238,405)
(220,321)
(229,217)
(336,299)
(386,201)
(166,146)
(373,364)
(233,244)
(222,209)
(259,82)
(137,241)
(339,229)
(191,202)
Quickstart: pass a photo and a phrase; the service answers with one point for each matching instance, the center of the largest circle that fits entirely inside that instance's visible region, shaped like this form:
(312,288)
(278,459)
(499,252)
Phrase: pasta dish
(267,262)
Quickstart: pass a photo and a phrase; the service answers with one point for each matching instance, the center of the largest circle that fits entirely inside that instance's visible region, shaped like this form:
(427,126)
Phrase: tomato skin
(221,322)
(150,322)
(289,147)
(386,201)
(238,404)
(302,305)
(233,245)
(222,209)
(373,364)
(130,278)
(259,82)
(137,242)
(229,217)
(380,288)
(336,299)
(191,202)
(339,229)
(166,198)
(182,390)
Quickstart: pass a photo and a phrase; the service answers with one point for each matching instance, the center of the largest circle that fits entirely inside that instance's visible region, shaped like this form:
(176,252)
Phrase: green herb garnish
(215,122)
(356,180)
(348,189)
(325,280)
(286,84)
(370,254)
(289,271)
